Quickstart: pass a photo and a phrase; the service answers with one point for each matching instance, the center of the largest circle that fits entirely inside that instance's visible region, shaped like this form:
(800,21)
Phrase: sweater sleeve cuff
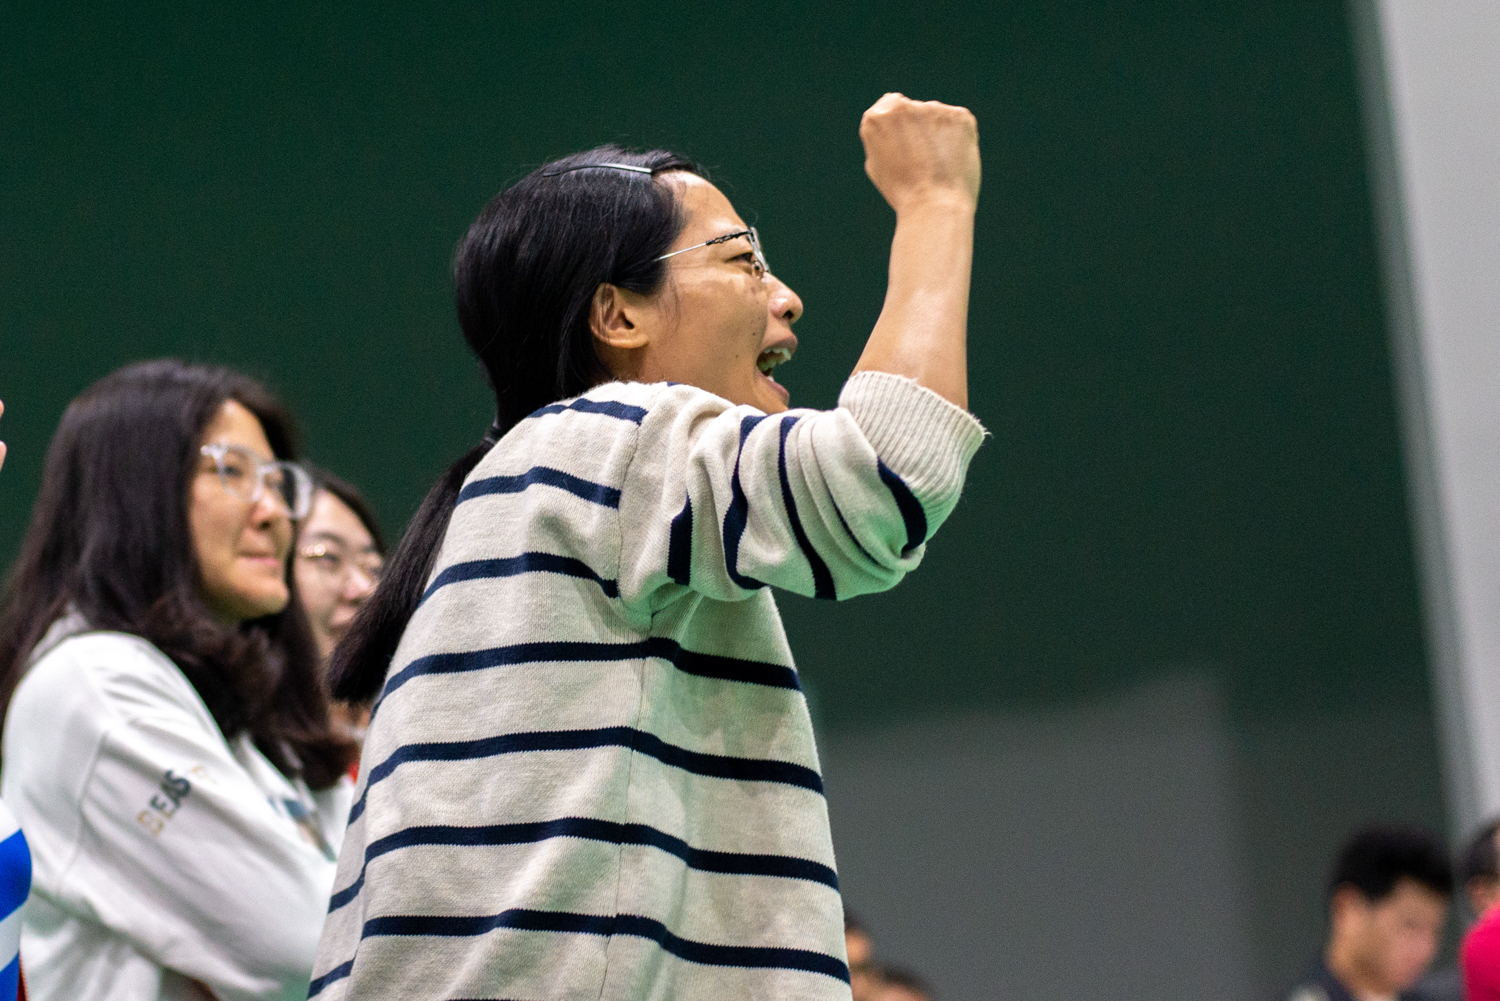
(923,438)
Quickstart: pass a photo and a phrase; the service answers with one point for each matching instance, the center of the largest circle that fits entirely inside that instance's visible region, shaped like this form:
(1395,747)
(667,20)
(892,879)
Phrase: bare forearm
(922,332)
(923,158)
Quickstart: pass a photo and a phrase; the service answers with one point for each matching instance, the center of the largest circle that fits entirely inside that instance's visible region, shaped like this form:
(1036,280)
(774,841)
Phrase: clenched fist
(920,151)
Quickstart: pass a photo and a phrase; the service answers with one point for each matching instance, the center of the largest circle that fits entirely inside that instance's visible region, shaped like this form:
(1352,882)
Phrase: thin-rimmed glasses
(761,267)
(244,475)
(334,560)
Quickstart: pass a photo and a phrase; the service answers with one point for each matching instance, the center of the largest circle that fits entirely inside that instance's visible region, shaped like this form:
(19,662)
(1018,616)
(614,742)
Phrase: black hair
(900,976)
(351,498)
(1375,859)
(1480,860)
(524,281)
(109,537)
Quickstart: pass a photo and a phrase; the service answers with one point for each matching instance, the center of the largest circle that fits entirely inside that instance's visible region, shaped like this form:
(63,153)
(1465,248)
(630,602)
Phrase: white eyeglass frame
(297,506)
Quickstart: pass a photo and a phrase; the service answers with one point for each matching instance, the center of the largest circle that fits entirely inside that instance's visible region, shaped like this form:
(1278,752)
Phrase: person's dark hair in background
(1387,900)
(523,299)
(352,499)
(1375,859)
(109,538)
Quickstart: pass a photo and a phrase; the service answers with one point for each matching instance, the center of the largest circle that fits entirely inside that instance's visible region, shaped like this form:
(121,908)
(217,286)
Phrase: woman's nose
(269,509)
(784,303)
(359,585)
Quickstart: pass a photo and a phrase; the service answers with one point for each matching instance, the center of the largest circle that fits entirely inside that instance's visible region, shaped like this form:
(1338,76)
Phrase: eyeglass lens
(755,247)
(246,477)
(760,251)
(335,560)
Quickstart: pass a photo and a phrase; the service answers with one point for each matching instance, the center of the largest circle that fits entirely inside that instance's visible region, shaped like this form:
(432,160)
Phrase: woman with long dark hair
(591,772)
(167,745)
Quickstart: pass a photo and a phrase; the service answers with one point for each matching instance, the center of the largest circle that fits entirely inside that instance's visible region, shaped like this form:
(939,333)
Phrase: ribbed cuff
(923,438)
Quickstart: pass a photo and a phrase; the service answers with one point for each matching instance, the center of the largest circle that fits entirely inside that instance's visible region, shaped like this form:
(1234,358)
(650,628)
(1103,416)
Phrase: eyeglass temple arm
(716,240)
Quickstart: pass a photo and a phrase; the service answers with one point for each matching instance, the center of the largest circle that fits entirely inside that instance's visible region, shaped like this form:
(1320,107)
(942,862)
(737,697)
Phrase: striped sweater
(591,771)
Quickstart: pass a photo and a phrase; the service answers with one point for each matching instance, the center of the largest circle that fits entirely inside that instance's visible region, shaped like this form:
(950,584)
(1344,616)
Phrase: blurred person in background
(1387,901)
(873,981)
(1479,953)
(1479,870)
(895,983)
(861,951)
(1478,877)
(167,745)
(340,552)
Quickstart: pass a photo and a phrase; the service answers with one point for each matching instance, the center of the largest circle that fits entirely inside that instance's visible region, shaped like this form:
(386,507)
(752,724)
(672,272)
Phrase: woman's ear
(618,319)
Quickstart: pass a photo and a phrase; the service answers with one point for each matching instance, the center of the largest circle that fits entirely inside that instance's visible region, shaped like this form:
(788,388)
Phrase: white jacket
(162,854)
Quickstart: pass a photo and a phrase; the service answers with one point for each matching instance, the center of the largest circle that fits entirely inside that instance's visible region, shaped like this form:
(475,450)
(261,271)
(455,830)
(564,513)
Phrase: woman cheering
(591,772)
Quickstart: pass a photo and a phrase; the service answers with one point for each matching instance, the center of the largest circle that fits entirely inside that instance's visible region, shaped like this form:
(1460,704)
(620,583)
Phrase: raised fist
(919,151)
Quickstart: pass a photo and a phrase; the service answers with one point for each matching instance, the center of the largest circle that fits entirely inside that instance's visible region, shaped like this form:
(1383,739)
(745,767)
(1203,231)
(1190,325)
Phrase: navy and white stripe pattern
(15,887)
(591,772)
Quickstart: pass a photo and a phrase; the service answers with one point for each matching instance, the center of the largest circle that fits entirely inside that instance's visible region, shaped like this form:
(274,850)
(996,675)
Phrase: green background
(1177,331)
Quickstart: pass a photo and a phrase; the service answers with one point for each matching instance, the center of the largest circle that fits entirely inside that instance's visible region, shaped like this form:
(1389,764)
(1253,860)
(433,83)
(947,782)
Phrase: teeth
(771,357)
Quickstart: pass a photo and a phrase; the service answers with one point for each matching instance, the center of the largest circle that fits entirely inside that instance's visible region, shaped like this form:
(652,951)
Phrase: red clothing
(1479,958)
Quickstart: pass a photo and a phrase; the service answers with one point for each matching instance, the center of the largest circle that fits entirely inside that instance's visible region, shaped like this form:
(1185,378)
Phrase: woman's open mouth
(767,362)
(780,354)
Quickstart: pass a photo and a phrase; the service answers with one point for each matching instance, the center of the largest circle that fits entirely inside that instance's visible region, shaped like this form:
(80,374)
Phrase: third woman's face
(725,326)
(336,567)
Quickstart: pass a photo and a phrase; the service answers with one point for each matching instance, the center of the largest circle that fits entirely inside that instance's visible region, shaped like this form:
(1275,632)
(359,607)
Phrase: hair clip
(610,166)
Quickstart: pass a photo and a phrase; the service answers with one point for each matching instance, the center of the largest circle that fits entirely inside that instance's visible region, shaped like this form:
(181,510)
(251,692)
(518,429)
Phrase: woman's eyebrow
(243,447)
(329,535)
(727,239)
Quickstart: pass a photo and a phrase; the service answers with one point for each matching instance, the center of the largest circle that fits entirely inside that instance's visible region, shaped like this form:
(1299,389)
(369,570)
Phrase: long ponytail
(357,667)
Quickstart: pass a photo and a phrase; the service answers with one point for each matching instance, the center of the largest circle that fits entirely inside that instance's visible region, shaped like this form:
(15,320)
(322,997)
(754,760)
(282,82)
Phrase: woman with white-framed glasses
(167,744)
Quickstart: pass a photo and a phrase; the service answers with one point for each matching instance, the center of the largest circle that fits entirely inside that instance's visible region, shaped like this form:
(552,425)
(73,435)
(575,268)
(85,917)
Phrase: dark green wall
(1177,332)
